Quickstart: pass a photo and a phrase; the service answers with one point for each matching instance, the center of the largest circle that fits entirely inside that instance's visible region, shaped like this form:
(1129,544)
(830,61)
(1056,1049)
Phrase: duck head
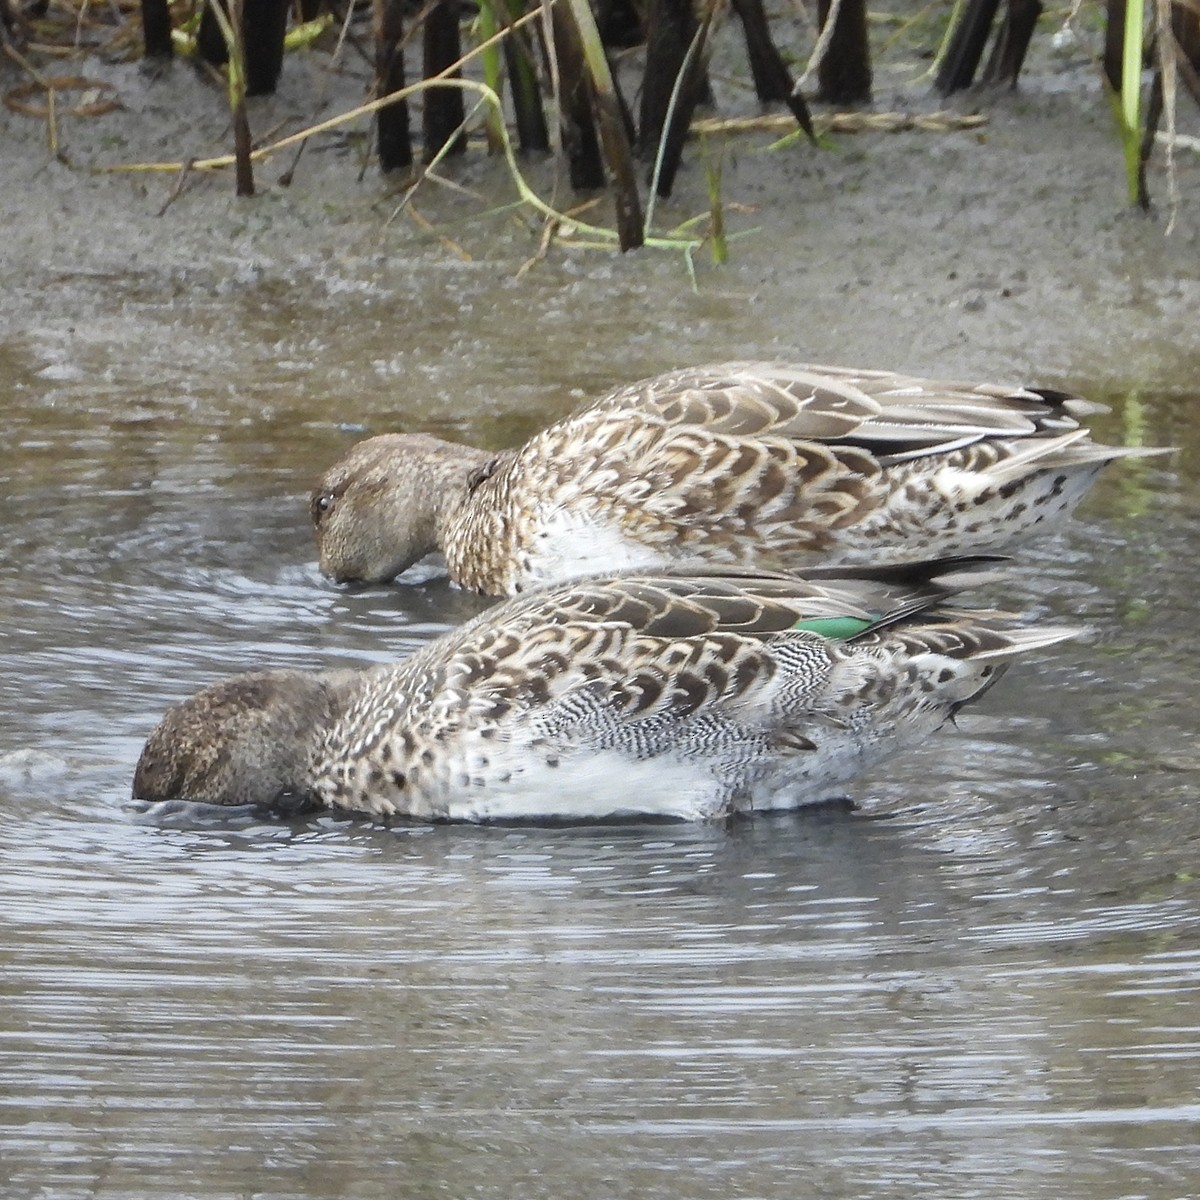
(250,739)
(385,505)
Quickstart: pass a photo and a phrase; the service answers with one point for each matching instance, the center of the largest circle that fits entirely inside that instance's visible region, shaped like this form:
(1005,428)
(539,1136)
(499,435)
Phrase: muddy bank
(1007,251)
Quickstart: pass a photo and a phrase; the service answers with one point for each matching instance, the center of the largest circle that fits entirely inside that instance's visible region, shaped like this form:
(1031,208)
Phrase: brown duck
(739,464)
(692,697)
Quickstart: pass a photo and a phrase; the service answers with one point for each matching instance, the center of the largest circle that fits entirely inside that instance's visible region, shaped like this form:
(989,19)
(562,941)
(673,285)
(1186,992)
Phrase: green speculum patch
(835,628)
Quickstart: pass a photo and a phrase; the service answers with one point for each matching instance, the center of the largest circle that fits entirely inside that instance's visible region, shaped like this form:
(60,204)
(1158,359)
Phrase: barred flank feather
(740,464)
(692,696)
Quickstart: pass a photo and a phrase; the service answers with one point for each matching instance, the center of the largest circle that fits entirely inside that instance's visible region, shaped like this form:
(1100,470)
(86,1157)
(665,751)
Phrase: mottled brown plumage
(735,465)
(684,696)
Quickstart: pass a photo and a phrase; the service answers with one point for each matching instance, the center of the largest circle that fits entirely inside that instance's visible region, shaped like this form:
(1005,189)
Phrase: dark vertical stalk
(263,25)
(264,22)
(443,112)
(691,87)
(610,120)
(670,27)
(1114,43)
(243,167)
(581,140)
(610,125)
(242,144)
(533,136)
(222,40)
(1012,41)
(1154,108)
(966,46)
(156,29)
(844,74)
(210,41)
(772,79)
(391,123)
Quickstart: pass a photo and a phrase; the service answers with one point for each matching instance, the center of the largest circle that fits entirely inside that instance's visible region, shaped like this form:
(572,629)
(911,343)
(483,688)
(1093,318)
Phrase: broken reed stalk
(391,124)
(1172,58)
(965,46)
(772,79)
(842,122)
(242,142)
(576,104)
(844,72)
(229,21)
(1012,42)
(52,124)
(442,117)
(156,29)
(1154,109)
(680,105)
(526,194)
(610,121)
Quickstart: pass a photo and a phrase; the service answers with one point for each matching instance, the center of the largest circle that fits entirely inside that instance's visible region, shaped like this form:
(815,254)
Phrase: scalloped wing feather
(752,463)
(805,401)
(679,696)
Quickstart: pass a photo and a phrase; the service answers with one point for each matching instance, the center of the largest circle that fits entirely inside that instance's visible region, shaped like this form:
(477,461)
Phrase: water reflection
(337,1005)
(984,981)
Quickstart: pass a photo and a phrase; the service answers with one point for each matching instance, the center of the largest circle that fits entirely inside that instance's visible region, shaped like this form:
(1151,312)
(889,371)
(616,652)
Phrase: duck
(735,465)
(627,696)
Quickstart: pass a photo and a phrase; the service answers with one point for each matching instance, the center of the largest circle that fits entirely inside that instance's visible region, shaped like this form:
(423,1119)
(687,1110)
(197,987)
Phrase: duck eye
(321,505)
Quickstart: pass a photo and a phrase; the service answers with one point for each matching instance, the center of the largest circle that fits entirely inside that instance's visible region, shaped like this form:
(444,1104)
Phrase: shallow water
(984,980)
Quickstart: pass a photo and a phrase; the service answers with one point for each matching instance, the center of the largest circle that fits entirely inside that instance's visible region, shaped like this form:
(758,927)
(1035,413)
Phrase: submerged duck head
(383,507)
(690,696)
(245,740)
(781,464)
